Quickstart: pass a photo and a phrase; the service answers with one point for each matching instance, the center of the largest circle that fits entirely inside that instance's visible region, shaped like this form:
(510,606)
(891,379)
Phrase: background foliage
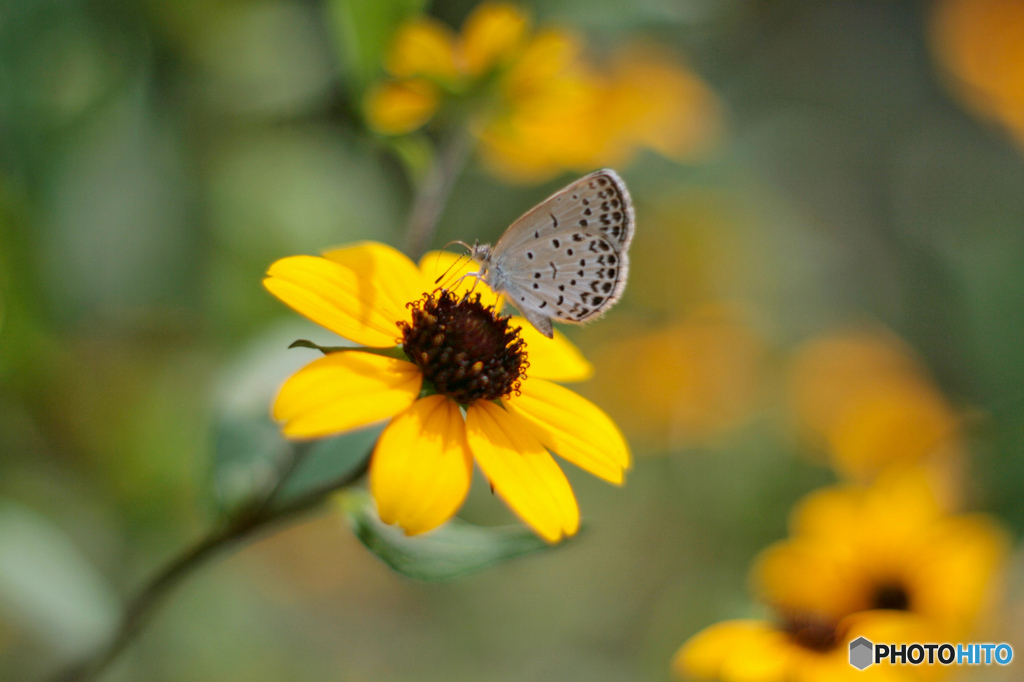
(155,157)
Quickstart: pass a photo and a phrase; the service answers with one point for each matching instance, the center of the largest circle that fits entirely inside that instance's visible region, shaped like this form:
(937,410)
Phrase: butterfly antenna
(457,261)
(461,243)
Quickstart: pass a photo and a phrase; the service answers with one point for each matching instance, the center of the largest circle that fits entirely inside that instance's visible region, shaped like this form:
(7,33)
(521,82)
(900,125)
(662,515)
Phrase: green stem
(245,526)
(428,205)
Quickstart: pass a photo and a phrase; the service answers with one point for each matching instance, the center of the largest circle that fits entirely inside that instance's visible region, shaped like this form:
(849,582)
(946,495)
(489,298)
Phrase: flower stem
(435,190)
(244,526)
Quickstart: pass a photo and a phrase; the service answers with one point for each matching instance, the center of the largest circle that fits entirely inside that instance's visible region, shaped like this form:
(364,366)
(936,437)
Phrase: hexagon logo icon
(861,653)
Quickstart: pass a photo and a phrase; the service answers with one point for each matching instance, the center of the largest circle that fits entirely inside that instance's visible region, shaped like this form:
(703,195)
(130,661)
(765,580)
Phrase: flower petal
(338,298)
(804,576)
(345,390)
(396,279)
(521,471)
(555,359)
(734,650)
(422,466)
(491,34)
(423,47)
(397,108)
(435,264)
(573,427)
(968,551)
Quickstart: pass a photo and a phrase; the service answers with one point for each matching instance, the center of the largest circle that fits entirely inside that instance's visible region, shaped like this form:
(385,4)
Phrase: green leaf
(393,352)
(329,459)
(250,453)
(453,550)
(305,343)
(363,32)
(48,587)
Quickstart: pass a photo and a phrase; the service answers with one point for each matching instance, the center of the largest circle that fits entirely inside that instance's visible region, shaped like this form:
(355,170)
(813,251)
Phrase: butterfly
(565,259)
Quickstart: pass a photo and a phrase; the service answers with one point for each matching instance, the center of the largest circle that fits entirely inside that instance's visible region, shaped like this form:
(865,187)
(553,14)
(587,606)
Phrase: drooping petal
(521,471)
(340,298)
(422,466)
(446,265)
(554,359)
(345,390)
(573,427)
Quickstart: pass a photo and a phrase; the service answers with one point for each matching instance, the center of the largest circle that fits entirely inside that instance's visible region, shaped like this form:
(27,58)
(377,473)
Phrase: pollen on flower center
(463,348)
(811,632)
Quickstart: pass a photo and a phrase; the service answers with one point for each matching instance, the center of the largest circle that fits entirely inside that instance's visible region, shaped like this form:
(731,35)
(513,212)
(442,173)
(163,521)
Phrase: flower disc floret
(893,597)
(811,632)
(464,348)
(478,407)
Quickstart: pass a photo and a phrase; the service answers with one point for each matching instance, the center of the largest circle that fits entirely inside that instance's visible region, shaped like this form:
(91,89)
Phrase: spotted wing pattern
(566,259)
(577,278)
(597,203)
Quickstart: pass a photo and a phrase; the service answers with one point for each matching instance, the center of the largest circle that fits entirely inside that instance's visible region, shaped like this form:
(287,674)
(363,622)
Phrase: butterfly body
(566,259)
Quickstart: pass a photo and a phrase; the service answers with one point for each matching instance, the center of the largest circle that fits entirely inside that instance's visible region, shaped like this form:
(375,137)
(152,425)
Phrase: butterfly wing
(566,258)
(597,203)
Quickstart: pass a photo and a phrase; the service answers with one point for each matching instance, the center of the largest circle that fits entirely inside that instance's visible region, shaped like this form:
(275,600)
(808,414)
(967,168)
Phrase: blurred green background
(156,157)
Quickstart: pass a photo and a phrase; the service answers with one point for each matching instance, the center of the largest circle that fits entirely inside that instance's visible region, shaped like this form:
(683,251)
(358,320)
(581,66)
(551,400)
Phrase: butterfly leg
(476,279)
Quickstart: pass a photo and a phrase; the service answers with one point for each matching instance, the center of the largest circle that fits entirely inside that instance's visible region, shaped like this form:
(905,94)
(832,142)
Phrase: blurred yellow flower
(442,354)
(541,108)
(561,113)
(659,105)
(863,398)
(428,54)
(883,562)
(795,649)
(701,377)
(423,47)
(888,546)
(493,33)
(978,44)
(398,108)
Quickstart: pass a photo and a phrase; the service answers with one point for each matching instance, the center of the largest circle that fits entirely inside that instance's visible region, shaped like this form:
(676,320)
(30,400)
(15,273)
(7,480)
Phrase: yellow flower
(701,378)
(796,649)
(883,562)
(541,108)
(428,58)
(863,398)
(453,356)
(423,47)
(548,117)
(492,34)
(402,107)
(561,113)
(889,546)
(655,102)
(978,43)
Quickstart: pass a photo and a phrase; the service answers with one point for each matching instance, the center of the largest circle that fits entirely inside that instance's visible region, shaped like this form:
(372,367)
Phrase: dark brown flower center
(464,349)
(811,631)
(891,596)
